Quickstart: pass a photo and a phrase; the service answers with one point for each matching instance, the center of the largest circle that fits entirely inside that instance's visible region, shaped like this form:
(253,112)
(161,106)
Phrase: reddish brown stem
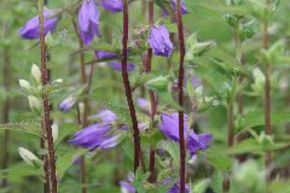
(180,96)
(267,93)
(46,103)
(126,83)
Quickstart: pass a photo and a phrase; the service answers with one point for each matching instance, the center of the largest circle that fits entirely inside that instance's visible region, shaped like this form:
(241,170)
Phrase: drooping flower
(99,135)
(160,42)
(95,136)
(31,28)
(170,127)
(173,4)
(195,81)
(112,5)
(195,142)
(88,21)
(118,66)
(67,104)
(101,54)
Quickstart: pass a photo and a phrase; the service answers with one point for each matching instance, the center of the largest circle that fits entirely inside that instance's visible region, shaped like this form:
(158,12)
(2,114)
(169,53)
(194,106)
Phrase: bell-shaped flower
(170,128)
(95,136)
(99,135)
(31,28)
(101,54)
(88,21)
(159,41)
(118,66)
(112,5)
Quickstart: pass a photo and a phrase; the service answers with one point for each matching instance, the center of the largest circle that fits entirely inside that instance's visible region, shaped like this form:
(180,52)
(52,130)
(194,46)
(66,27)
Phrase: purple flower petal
(88,21)
(101,54)
(67,104)
(112,5)
(160,42)
(118,66)
(170,127)
(31,29)
(198,142)
(106,116)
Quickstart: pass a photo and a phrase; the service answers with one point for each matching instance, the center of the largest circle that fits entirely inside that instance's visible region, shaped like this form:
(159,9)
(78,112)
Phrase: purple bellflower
(144,104)
(175,188)
(112,5)
(195,142)
(67,104)
(98,135)
(88,21)
(31,28)
(101,54)
(160,42)
(118,66)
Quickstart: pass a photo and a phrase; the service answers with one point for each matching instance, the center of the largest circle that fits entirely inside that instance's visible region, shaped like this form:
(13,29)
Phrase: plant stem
(46,103)
(126,82)
(180,96)
(84,116)
(267,94)
(6,109)
(153,101)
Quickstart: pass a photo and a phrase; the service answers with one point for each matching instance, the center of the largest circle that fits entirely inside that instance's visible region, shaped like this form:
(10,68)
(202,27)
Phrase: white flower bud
(54,128)
(34,103)
(24,84)
(28,156)
(59,80)
(36,73)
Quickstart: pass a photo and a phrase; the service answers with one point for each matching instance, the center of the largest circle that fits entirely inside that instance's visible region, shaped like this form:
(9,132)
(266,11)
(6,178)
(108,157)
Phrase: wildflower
(88,21)
(112,5)
(98,135)
(160,42)
(67,104)
(95,136)
(101,54)
(195,142)
(31,28)
(118,66)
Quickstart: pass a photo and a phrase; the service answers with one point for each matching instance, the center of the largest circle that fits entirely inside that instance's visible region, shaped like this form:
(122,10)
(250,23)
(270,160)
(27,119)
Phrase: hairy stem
(6,108)
(126,83)
(267,91)
(46,104)
(84,117)
(180,96)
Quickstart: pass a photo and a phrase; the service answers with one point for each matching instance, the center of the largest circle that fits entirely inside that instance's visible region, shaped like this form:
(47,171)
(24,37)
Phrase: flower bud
(28,156)
(34,103)
(24,84)
(36,73)
(54,128)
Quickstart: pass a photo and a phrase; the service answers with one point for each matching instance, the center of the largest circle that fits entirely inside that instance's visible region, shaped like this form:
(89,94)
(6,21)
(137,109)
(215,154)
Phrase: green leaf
(217,182)
(32,127)
(218,158)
